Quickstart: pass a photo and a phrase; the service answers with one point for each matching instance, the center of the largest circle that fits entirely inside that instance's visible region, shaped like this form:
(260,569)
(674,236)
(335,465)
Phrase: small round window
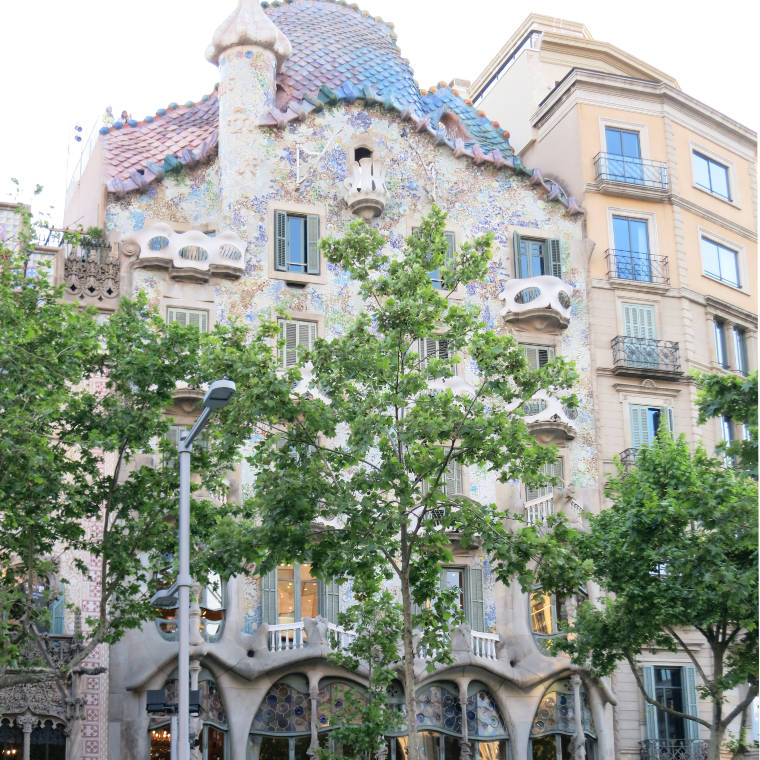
(158,243)
(527,295)
(193,253)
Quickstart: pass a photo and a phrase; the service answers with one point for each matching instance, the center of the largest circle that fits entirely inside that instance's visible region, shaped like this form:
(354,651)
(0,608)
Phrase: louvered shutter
(281,241)
(638,321)
(177,315)
(639,426)
(538,356)
(453,479)
(476,615)
(516,245)
(651,710)
(192,317)
(555,259)
(57,609)
(269,598)
(669,416)
(690,703)
(329,602)
(451,242)
(312,244)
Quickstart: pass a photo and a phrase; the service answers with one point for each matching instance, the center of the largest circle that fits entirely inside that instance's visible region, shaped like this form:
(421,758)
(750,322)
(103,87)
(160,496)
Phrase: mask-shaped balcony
(540,302)
(548,419)
(366,194)
(191,255)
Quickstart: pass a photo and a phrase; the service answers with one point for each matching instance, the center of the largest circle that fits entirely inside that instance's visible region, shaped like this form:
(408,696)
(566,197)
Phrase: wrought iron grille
(669,749)
(645,354)
(637,265)
(628,457)
(632,171)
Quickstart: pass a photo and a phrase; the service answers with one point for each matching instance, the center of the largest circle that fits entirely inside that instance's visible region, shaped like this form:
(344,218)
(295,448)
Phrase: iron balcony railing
(637,265)
(628,457)
(645,354)
(669,749)
(631,171)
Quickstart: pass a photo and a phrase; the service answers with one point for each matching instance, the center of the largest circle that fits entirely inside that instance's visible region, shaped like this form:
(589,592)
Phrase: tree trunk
(411,711)
(716,740)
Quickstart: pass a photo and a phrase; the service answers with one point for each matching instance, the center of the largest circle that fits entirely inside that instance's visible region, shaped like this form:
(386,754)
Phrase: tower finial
(248,25)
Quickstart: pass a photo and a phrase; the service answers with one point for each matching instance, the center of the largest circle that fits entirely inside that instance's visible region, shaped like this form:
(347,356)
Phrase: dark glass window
(720,342)
(632,248)
(669,691)
(624,155)
(740,349)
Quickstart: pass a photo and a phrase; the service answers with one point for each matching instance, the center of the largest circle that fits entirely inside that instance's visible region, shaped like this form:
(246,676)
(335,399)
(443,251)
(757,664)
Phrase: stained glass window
(556,712)
(483,717)
(438,707)
(336,701)
(284,709)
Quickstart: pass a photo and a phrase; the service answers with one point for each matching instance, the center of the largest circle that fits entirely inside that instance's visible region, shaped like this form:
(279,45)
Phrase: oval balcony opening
(193,253)
(527,295)
(158,243)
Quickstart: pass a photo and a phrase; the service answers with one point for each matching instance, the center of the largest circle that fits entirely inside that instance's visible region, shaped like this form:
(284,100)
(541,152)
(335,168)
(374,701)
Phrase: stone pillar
(27,722)
(248,48)
(314,697)
(465,748)
(579,740)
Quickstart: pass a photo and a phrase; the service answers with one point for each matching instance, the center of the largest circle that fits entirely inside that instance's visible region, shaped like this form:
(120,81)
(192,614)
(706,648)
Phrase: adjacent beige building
(669,189)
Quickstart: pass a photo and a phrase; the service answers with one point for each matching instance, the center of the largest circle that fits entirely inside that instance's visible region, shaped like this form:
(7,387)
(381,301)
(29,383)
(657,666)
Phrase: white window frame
(732,245)
(189,310)
(733,187)
(313,327)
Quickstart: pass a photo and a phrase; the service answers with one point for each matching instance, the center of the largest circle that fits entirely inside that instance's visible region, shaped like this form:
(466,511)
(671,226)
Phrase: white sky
(64,61)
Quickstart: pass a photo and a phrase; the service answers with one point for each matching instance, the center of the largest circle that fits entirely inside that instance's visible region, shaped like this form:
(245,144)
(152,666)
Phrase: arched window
(338,703)
(281,728)
(552,734)
(47,741)
(439,724)
(213,735)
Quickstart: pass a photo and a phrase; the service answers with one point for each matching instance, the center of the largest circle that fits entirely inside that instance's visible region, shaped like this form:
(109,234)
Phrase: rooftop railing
(631,171)
(641,266)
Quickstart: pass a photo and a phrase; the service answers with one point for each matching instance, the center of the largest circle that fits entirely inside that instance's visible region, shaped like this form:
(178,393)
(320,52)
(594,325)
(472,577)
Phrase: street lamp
(217,396)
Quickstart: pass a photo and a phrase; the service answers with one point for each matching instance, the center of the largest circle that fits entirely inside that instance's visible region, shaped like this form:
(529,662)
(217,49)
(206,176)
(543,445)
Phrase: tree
(356,440)
(676,551)
(82,399)
(735,398)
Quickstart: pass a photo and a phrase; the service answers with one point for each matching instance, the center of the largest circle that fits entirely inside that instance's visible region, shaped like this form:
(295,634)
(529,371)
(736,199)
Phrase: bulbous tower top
(248,25)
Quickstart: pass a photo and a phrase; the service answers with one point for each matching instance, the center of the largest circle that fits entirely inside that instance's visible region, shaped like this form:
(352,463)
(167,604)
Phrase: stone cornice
(710,216)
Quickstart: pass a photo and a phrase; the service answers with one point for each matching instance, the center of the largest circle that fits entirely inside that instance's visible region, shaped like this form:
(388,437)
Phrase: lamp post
(217,396)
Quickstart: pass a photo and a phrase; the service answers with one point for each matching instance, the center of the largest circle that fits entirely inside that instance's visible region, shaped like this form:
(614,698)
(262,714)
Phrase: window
(646,421)
(553,469)
(632,260)
(451,483)
(720,262)
(639,336)
(469,583)
(534,258)
(740,350)
(711,176)
(547,613)
(624,155)
(297,334)
(726,429)
(296,239)
(721,356)
(537,356)
(193,317)
(433,348)
(290,593)
(676,688)
(212,604)
(435,276)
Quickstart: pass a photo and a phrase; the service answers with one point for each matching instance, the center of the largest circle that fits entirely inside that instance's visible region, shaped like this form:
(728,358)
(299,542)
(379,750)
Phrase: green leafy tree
(676,553)
(356,441)
(82,401)
(735,398)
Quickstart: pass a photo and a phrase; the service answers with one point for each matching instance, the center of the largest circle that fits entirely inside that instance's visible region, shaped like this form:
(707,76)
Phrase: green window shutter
(638,321)
(453,479)
(555,258)
(57,609)
(312,244)
(690,702)
(538,356)
(474,587)
(639,426)
(280,241)
(329,600)
(651,710)
(269,598)
(516,244)
(451,241)
(669,416)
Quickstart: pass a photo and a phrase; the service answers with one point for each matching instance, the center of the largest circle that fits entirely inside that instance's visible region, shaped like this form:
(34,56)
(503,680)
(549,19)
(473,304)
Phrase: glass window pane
(710,259)
(631,147)
(729,270)
(541,613)
(614,143)
(543,747)
(286,599)
(639,236)
(297,246)
(719,180)
(622,233)
(701,171)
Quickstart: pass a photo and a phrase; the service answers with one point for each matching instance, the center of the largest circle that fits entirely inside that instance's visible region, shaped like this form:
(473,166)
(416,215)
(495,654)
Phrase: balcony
(466,641)
(645,357)
(366,194)
(639,266)
(192,256)
(548,419)
(680,749)
(628,457)
(541,302)
(538,510)
(633,177)
(91,271)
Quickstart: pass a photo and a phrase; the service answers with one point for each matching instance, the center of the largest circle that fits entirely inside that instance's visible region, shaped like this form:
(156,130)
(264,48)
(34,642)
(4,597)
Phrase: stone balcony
(91,272)
(548,419)
(540,302)
(192,256)
(366,194)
